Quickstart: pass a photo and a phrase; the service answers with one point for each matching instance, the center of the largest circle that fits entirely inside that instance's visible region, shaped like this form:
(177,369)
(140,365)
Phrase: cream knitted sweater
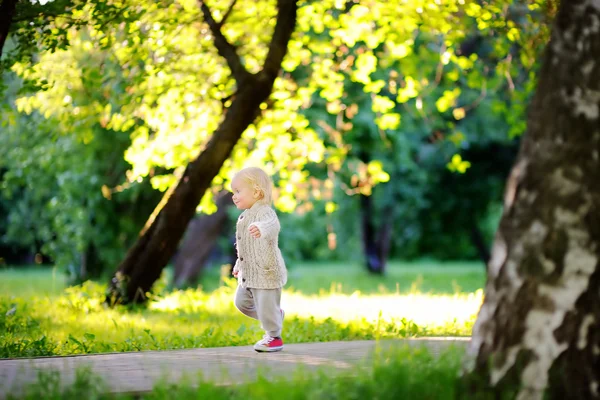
(259,262)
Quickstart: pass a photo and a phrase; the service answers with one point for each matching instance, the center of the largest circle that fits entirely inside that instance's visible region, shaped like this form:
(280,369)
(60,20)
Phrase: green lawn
(33,281)
(404,277)
(309,278)
(323,302)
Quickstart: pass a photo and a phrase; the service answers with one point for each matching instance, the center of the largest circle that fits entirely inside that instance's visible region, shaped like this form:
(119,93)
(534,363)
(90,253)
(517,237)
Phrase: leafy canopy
(150,71)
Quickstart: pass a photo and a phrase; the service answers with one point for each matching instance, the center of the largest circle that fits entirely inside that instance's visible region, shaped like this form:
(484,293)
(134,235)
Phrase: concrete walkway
(138,372)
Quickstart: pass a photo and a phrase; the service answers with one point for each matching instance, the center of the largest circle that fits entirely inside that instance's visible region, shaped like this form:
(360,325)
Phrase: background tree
(54,187)
(152,74)
(36,26)
(200,241)
(159,239)
(536,335)
(407,100)
(7,11)
(464,207)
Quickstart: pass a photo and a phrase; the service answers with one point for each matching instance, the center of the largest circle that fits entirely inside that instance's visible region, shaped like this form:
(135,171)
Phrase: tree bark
(479,242)
(538,330)
(373,263)
(200,240)
(91,265)
(376,243)
(7,12)
(158,240)
(384,238)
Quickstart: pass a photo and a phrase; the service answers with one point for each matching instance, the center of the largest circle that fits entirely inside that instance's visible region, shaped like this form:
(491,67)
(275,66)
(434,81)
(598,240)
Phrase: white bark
(547,250)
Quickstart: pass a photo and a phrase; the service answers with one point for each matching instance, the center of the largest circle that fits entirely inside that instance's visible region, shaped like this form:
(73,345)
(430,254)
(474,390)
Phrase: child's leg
(244,301)
(269,311)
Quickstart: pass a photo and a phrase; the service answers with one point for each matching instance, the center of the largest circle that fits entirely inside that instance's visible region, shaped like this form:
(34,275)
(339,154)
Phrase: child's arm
(267,224)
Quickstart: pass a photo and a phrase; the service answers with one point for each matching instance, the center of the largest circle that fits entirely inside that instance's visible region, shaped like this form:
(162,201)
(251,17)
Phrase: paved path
(138,372)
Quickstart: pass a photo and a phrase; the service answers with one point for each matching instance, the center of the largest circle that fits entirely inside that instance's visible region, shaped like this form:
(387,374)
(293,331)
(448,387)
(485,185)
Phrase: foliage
(395,372)
(464,205)
(44,25)
(411,100)
(177,85)
(76,322)
(374,102)
(53,185)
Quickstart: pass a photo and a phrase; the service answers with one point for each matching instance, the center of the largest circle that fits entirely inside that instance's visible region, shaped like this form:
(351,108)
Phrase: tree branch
(225,49)
(228,13)
(7,12)
(286,23)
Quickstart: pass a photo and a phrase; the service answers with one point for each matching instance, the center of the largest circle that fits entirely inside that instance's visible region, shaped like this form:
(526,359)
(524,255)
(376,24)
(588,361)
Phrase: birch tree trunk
(538,331)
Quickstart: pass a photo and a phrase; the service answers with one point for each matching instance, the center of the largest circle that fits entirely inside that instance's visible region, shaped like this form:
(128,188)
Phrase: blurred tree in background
(52,193)
(389,133)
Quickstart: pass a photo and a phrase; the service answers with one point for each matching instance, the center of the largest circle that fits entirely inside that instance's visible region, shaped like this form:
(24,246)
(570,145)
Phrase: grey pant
(263,305)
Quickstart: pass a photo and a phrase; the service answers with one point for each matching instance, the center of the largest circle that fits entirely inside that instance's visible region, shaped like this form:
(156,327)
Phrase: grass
(323,303)
(33,281)
(426,276)
(405,373)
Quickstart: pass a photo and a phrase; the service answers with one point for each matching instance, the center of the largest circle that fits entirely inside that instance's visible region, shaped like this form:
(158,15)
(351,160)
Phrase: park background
(389,135)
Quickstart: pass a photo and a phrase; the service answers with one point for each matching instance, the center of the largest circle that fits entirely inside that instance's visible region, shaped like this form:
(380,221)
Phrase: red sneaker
(269,344)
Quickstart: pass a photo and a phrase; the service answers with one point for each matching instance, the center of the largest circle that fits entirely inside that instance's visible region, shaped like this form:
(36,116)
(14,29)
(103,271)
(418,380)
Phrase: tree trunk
(7,12)
(373,262)
(91,264)
(376,244)
(384,239)
(479,242)
(538,330)
(158,240)
(200,240)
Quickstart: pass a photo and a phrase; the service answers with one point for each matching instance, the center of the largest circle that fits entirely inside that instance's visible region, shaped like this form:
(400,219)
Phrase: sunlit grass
(434,314)
(77,322)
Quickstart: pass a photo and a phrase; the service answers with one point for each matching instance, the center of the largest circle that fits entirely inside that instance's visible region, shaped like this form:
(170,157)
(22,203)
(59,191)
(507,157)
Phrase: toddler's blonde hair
(258,180)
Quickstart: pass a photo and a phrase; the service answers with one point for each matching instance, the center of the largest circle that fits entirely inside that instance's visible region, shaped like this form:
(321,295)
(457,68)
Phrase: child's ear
(258,194)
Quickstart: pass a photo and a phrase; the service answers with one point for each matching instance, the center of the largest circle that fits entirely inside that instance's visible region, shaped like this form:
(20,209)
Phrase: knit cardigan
(259,261)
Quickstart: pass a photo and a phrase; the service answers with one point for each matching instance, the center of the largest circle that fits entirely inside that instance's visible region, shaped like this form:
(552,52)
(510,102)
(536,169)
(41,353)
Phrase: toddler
(259,267)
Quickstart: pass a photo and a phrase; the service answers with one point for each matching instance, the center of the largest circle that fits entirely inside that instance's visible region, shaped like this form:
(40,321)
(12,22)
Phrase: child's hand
(254,231)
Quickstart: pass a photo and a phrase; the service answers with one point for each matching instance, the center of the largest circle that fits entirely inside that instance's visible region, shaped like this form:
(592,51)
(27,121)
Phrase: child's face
(244,196)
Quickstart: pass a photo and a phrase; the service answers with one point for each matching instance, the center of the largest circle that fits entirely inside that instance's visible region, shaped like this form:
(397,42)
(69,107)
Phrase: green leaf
(447,100)
(382,104)
(330,207)
(241,330)
(375,170)
(366,64)
(74,340)
(388,121)
(458,165)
